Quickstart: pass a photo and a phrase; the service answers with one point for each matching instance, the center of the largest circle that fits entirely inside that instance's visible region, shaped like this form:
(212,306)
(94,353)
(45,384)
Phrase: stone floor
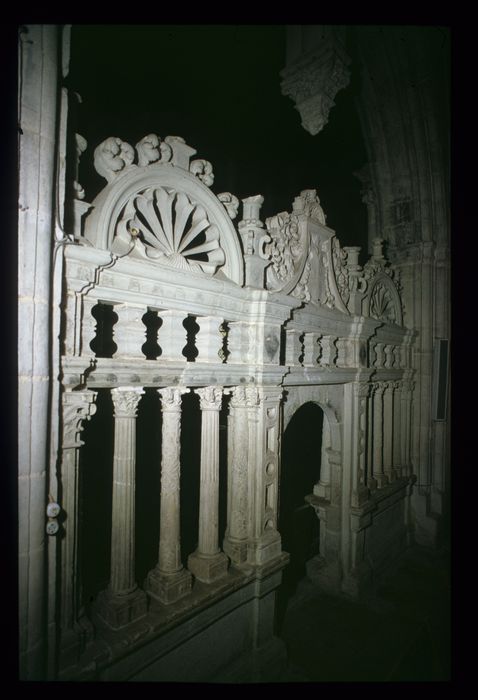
(402,633)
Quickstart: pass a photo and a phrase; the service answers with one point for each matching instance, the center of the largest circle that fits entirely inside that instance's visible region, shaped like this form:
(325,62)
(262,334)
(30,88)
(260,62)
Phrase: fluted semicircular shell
(173,229)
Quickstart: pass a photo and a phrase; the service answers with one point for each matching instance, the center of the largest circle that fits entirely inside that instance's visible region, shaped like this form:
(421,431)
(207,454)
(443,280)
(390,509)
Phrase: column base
(118,611)
(236,550)
(392,475)
(382,480)
(372,484)
(208,568)
(268,547)
(168,588)
(360,496)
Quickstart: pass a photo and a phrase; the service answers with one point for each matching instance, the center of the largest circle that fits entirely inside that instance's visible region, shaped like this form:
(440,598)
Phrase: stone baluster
(88,325)
(172,335)
(209,339)
(312,349)
(169,580)
(78,406)
(235,540)
(378,467)
(293,347)
(322,488)
(130,331)
(397,429)
(388,432)
(208,563)
(330,351)
(123,602)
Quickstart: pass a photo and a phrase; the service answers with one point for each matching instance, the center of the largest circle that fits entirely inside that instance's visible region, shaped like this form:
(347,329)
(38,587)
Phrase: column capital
(77,407)
(362,389)
(243,396)
(379,387)
(210,398)
(126,400)
(171,397)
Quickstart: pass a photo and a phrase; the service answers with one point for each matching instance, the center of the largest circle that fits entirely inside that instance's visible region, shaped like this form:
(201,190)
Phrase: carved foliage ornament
(125,401)
(170,227)
(113,156)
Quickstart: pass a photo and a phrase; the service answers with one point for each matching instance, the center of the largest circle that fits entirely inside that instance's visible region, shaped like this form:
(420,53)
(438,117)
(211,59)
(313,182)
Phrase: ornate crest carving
(170,227)
(288,251)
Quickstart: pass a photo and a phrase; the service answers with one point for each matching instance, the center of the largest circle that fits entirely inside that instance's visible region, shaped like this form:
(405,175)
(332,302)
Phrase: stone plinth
(120,610)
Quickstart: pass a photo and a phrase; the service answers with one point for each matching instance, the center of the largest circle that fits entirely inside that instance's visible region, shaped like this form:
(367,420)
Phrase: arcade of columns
(292,327)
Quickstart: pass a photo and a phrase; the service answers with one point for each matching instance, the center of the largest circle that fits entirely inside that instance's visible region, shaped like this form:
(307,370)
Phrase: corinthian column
(235,540)
(169,581)
(378,471)
(123,602)
(78,406)
(397,428)
(388,432)
(208,563)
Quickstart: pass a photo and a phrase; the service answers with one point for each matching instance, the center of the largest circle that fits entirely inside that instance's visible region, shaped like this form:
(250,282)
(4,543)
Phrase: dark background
(218,86)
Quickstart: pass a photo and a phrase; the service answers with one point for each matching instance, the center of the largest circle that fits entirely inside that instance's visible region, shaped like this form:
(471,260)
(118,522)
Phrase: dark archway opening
(298,524)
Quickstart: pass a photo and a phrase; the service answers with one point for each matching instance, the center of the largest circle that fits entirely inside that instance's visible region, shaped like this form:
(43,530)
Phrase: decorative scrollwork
(173,229)
(203,170)
(112,156)
(230,202)
(339,260)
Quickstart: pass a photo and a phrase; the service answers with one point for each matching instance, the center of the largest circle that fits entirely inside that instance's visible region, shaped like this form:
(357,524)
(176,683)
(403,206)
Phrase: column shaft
(123,602)
(169,581)
(208,562)
(388,432)
(378,470)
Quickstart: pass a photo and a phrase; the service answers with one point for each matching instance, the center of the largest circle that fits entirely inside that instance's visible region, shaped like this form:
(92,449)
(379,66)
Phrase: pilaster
(264,450)
(77,407)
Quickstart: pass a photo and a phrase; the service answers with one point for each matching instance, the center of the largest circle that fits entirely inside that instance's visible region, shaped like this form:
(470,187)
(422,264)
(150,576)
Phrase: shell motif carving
(173,229)
(382,305)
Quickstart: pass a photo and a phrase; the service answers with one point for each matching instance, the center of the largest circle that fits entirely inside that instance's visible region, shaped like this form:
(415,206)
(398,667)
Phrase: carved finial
(112,156)
(231,203)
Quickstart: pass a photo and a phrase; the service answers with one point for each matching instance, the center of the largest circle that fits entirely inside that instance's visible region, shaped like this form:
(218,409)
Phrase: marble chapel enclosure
(174,292)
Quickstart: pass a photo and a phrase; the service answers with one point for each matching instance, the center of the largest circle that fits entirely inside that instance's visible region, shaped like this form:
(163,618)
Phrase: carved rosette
(210,398)
(125,401)
(170,227)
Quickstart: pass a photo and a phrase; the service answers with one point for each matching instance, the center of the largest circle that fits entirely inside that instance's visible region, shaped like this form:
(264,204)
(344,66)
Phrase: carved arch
(104,225)
(330,414)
